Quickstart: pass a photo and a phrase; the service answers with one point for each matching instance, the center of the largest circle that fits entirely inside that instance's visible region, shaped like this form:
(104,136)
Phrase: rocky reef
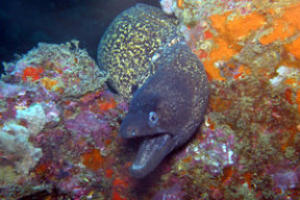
(59,123)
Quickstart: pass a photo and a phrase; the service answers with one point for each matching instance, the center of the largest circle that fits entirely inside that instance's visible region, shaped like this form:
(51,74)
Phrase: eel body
(129,43)
(168,108)
(139,51)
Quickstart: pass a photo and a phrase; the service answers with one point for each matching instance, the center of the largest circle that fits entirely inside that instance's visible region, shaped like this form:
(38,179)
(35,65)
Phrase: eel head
(143,120)
(156,114)
(168,108)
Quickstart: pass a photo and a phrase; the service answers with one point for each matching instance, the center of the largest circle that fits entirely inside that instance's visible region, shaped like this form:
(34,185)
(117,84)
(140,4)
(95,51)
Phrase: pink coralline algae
(59,124)
(44,129)
(213,151)
(173,193)
(86,124)
(167,6)
(286,180)
(285,177)
(62,69)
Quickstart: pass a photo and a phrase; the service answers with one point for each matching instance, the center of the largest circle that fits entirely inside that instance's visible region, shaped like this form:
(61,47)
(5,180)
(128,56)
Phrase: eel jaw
(151,152)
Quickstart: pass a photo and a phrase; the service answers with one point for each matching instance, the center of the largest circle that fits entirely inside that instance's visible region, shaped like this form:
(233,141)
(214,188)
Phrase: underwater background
(61,109)
(24,24)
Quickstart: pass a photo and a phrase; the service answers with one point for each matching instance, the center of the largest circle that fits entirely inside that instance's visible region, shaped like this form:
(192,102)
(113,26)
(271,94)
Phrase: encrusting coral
(64,142)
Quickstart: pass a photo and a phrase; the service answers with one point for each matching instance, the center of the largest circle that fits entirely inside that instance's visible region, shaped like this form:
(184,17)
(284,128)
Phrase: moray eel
(168,108)
(143,49)
(129,43)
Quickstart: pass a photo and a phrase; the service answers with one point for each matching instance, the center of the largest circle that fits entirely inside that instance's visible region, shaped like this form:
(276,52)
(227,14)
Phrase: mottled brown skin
(129,43)
(178,94)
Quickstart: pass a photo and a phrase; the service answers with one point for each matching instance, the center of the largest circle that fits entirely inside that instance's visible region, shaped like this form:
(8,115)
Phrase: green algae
(263,123)
(240,192)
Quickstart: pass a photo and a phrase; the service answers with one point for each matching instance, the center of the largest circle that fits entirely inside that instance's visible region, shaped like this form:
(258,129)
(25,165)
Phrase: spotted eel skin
(129,43)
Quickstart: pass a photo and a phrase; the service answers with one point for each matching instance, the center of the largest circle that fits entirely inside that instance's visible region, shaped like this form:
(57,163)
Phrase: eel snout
(152,150)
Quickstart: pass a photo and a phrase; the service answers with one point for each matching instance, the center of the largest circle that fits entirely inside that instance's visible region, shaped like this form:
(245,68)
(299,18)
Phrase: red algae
(298,100)
(42,169)
(228,173)
(120,183)
(32,73)
(109,173)
(248,178)
(117,196)
(92,159)
(288,95)
(91,96)
(247,147)
(54,127)
(107,105)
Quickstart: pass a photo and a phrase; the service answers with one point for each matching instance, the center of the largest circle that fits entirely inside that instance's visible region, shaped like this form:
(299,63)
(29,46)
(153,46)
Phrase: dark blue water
(25,23)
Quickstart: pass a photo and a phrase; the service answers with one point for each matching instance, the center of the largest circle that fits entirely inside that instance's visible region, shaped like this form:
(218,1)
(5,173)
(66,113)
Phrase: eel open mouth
(151,152)
(154,146)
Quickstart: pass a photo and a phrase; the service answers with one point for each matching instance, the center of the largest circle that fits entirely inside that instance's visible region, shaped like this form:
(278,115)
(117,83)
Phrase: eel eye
(153,118)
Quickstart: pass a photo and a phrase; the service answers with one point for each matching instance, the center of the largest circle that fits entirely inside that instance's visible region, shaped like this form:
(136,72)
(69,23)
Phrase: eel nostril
(133,132)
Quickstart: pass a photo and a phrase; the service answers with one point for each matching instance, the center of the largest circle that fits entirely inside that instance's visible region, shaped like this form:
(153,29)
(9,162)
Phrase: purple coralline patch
(214,150)
(10,90)
(53,112)
(287,179)
(61,69)
(74,186)
(44,125)
(59,126)
(9,111)
(173,193)
(87,124)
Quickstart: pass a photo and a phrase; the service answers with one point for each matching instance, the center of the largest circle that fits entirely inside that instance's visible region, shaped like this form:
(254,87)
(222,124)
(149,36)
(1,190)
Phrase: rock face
(56,143)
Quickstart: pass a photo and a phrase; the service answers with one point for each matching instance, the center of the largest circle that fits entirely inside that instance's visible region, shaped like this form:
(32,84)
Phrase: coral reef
(56,143)
(172,193)
(36,108)
(64,69)
(250,55)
